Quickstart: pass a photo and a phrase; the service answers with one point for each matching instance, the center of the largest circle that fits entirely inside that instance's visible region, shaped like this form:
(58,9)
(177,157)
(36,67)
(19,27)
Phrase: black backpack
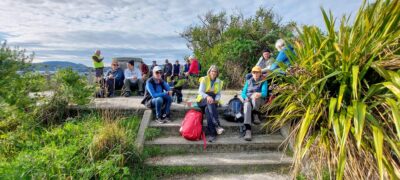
(234,113)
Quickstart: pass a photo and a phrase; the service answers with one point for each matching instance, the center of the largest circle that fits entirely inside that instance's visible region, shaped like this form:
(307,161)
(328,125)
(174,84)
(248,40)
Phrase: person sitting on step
(158,93)
(114,78)
(208,99)
(133,80)
(254,93)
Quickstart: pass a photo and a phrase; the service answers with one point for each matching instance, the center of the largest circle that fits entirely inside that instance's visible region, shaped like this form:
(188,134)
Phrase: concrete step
(224,143)
(231,128)
(227,162)
(233,176)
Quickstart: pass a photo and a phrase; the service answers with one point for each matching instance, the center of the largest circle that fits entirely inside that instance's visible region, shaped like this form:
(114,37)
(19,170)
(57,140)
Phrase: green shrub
(64,151)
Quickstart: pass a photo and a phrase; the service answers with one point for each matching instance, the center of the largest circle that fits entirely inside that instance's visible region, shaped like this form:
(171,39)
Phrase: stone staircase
(230,157)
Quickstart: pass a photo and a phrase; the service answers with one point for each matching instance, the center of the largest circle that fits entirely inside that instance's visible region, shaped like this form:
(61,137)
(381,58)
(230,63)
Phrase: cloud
(72,29)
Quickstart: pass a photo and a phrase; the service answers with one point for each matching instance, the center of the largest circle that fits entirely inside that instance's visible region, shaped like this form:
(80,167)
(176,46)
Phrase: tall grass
(342,96)
(87,147)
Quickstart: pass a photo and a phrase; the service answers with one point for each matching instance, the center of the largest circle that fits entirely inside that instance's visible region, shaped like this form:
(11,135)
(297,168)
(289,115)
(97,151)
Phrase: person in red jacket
(194,67)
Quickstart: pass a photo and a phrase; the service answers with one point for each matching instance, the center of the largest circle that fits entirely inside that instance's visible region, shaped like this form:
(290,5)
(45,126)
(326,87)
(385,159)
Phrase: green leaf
(378,145)
(395,90)
(354,83)
(396,115)
(359,119)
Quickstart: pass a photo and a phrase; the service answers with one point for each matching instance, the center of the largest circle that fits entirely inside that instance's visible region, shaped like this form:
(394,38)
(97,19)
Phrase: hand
(111,76)
(256,95)
(134,77)
(210,100)
(170,93)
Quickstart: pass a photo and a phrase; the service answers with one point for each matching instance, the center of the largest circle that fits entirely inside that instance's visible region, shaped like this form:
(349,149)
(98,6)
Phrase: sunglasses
(114,64)
(158,72)
(256,72)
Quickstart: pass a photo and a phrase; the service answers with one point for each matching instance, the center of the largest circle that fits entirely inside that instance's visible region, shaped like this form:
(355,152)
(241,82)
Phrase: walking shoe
(166,118)
(212,138)
(127,94)
(256,119)
(247,136)
(219,130)
(160,121)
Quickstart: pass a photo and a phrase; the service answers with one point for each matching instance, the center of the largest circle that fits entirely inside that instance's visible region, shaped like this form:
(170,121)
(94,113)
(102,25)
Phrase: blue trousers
(162,105)
(211,115)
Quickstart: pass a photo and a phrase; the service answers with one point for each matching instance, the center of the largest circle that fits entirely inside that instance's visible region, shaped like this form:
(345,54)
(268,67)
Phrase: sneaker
(247,136)
(256,119)
(166,118)
(219,130)
(127,94)
(212,138)
(160,121)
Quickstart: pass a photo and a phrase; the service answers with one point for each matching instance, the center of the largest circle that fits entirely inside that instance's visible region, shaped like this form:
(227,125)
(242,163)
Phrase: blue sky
(72,29)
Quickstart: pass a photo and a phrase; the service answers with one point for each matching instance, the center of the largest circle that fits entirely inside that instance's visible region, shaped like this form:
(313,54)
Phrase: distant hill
(55,65)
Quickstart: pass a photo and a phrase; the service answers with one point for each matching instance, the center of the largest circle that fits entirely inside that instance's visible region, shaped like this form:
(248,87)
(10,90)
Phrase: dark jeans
(129,85)
(212,116)
(112,86)
(161,105)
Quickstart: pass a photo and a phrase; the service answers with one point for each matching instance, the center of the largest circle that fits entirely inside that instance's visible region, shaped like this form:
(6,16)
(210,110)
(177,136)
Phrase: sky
(71,30)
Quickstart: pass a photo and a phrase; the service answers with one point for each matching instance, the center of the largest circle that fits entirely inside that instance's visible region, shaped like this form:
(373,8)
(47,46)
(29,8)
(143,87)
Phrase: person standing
(152,66)
(167,69)
(98,65)
(144,69)
(176,69)
(194,67)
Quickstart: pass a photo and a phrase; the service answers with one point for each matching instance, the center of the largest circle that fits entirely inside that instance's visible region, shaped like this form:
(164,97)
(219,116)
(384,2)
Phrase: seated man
(158,94)
(133,80)
(114,78)
(254,93)
(264,62)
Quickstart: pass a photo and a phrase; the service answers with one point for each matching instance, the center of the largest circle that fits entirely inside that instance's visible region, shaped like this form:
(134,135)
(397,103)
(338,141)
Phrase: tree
(234,42)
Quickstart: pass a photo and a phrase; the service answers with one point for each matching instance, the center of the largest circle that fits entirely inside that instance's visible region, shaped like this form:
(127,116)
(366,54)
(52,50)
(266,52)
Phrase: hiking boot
(160,121)
(127,94)
(212,138)
(256,119)
(247,136)
(219,130)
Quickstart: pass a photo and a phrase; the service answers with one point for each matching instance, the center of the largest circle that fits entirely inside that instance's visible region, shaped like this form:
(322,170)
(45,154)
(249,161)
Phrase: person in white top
(133,80)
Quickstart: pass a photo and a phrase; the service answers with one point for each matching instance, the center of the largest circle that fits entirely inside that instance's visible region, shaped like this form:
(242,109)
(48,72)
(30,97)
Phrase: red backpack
(192,126)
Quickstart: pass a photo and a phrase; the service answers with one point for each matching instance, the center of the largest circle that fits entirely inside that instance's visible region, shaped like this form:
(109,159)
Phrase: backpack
(234,113)
(192,125)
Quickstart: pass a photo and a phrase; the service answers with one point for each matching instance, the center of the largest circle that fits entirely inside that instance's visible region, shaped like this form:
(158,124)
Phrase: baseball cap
(157,68)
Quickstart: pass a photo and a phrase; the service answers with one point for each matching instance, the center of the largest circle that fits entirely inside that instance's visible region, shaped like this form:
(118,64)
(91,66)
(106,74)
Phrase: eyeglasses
(158,72)
(256,72)
(114,64)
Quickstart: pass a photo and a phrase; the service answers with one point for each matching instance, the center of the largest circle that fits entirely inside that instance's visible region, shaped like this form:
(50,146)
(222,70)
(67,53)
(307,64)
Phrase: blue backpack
(234,113)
